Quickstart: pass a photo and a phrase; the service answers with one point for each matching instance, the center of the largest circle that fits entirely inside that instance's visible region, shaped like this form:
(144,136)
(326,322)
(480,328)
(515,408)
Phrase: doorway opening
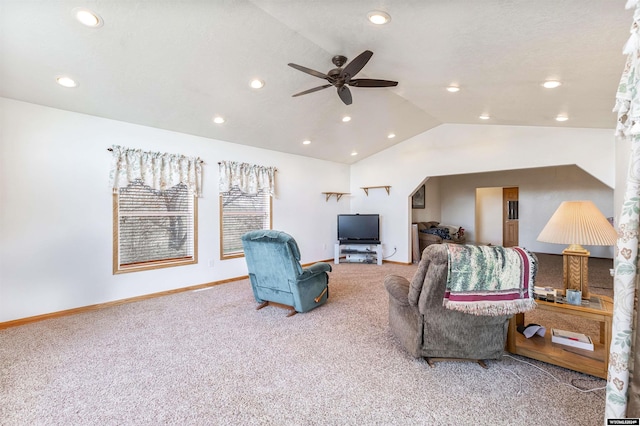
(497,216)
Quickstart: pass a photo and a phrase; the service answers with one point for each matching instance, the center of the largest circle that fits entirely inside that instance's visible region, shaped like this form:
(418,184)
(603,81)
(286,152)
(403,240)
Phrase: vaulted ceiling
(176,65)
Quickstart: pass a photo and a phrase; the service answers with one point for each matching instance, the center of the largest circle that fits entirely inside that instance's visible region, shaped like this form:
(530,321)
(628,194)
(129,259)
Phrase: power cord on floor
(518,377)
(394,252)
(571,385)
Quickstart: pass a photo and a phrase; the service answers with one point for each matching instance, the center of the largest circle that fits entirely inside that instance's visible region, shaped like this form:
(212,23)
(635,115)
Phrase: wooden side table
(595,363)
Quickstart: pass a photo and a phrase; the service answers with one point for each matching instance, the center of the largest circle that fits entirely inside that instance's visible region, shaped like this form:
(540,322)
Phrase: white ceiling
(175,64)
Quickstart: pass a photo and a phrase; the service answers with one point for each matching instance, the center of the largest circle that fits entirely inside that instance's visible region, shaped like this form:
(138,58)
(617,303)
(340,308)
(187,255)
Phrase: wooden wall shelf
(367,188)
(337,194)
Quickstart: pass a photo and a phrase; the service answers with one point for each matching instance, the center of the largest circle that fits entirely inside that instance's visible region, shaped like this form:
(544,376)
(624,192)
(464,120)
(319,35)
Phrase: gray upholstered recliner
(426,328)
(273,261)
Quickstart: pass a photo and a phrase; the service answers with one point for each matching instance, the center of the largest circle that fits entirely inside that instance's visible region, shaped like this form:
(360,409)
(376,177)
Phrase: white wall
(452,149)
(432,207)
(488,216)
(56,214)
(540,192)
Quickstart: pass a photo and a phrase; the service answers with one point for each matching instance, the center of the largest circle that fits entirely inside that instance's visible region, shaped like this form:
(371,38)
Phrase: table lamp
(577,223)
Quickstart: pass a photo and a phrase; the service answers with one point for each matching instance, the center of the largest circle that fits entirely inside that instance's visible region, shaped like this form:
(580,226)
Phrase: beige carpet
(209,358)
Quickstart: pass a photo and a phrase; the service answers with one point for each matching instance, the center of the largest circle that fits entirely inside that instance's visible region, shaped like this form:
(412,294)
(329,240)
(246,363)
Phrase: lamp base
(575,271)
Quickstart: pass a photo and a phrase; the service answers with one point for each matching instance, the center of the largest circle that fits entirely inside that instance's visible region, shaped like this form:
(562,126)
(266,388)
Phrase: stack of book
(548,294)
(569,338)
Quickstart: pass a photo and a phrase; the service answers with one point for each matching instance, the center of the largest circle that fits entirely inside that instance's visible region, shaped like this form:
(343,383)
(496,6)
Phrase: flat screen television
(359,229)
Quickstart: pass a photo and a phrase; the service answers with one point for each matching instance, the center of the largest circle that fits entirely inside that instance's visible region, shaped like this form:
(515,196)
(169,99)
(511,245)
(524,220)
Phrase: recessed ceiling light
(346,119)
(484,117)
(88,18)
(391,135)
(378,17)
(453,89)
(256,83)
(306,142)
(66,81)
(354,153)
(562,118)
(218,120)
(551,84)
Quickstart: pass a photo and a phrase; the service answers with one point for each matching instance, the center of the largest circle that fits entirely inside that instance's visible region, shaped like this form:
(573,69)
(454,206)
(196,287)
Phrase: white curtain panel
(248,178)
(159,171)
(626,258)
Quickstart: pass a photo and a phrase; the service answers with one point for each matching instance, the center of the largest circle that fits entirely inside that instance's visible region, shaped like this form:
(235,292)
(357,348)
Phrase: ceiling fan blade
(315,89)
(345,94)
(370,82)
(310,71)
(356,65)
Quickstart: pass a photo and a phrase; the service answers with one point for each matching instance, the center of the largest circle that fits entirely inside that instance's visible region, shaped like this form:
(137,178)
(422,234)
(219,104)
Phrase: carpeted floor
(209,358)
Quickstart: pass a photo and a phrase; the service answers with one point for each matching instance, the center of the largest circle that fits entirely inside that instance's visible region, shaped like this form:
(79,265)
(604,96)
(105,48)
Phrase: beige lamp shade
(578,222)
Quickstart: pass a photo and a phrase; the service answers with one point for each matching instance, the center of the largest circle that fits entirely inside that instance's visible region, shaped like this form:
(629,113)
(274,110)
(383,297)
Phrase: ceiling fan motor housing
(334,74)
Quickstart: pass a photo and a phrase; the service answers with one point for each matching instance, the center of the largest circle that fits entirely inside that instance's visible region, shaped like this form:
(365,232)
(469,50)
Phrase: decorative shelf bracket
(337,194)
(367,188)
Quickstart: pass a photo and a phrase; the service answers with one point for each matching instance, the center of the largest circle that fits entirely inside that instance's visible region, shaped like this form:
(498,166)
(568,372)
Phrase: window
(153,228)
(239,214)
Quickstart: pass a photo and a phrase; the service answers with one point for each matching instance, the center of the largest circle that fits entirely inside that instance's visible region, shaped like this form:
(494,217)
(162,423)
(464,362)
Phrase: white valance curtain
(626,258)
(157,170)
(248,178)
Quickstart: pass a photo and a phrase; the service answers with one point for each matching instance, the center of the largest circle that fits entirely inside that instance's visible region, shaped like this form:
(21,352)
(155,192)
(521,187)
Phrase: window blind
(242,213)
(154,226)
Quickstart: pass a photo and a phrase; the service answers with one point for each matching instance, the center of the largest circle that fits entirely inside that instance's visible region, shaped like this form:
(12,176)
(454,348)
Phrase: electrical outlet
(210,263)
(395,248)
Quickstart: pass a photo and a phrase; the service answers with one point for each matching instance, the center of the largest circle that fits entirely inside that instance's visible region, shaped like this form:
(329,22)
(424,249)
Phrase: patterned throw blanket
(488,280)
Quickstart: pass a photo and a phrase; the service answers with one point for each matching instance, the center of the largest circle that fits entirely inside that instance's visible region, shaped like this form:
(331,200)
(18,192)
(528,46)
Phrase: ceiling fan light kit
(341,78)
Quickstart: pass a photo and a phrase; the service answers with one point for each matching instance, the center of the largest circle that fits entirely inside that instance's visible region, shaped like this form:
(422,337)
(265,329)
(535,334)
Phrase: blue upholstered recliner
(273,261)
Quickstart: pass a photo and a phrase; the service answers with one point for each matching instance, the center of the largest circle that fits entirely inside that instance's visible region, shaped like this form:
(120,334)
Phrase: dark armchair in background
(273,261)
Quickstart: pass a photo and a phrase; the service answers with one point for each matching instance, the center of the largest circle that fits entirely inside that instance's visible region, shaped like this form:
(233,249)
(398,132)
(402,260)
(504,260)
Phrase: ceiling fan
(343,77)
